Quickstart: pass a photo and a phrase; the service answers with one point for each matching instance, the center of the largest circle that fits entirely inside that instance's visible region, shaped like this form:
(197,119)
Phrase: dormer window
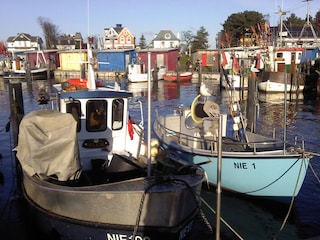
(167,36)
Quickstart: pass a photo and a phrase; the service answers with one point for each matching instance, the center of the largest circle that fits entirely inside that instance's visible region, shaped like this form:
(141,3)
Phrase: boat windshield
(96,115)
(74,108)
(117,114)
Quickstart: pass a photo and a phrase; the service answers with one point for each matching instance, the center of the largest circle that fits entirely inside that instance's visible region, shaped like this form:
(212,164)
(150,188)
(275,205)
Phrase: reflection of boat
(278,97)
(87,172)
(138,88)
(138,73)
(171,90)
(173,76)
(252,164)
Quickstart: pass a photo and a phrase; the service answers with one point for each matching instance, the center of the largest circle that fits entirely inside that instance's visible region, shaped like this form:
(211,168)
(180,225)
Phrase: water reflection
(303,116)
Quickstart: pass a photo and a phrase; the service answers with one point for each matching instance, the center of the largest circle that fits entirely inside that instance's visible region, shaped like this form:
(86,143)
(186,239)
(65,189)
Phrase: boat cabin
(103,124)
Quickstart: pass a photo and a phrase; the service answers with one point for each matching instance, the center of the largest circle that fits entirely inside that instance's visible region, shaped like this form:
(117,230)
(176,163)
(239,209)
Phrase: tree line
(235,29)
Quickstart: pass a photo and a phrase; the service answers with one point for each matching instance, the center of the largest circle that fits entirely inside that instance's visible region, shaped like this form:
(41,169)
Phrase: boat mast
(308,24)
(149,114)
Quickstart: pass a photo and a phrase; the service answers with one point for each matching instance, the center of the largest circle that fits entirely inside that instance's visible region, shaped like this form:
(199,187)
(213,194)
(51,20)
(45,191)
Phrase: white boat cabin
(103,124)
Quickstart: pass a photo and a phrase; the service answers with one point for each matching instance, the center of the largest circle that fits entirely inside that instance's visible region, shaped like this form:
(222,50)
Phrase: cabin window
(96,115)
(280,55)
(117,114)
(74,108)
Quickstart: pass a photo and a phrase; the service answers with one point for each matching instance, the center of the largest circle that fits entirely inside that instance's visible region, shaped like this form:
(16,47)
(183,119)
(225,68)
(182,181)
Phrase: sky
(147,17)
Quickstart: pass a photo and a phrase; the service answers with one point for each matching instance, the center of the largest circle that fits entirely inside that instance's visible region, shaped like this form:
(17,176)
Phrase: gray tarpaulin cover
(47,144)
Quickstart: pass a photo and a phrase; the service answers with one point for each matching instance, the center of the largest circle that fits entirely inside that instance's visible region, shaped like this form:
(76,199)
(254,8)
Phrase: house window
(122,40)
(128,39)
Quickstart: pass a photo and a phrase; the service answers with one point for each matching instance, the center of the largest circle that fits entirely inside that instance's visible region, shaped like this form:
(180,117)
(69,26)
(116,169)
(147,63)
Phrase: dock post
(16,107)
(28,73)
(17,113)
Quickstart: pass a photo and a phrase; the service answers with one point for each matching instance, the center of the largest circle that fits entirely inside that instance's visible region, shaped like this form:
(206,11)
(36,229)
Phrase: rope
(291,202)
(274,181)
(7,127)
(222,220)
(159,181)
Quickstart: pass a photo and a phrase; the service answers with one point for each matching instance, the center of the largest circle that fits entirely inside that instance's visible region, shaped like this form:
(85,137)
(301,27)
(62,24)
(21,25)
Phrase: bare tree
(187,38)
(50,31)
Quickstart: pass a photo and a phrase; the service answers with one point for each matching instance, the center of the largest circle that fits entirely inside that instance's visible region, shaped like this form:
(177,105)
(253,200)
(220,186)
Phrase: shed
(162,57)
(72,59)
(51,57)
(114,59)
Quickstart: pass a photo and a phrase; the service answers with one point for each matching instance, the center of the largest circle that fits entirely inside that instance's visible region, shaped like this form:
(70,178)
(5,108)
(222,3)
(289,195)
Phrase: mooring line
(222,220)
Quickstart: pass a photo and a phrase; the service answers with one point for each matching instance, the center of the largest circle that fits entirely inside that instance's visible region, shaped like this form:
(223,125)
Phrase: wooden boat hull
(258,169)
(275,87)
(115,208)
(185,76)
(275,82)
(57,227)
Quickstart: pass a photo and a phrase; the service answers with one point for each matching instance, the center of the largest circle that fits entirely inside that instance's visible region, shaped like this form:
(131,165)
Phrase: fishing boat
(137,72)
(88,173)
(21,68)
(274,82)
(253,164)
(174,76)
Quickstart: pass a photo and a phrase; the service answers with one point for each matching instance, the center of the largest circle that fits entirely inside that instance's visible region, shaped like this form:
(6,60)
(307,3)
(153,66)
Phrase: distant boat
(87,172)
(173,76)
(252,164)
(275,82)
(20,67)
(138,73)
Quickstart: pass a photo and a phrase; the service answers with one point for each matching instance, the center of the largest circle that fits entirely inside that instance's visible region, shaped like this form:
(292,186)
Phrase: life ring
(194,117)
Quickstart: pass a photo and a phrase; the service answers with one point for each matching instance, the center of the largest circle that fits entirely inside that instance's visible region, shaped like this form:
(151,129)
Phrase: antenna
(88,16)
(307,23)
(281,13)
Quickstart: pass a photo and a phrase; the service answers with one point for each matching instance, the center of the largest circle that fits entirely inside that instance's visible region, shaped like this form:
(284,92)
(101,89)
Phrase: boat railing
(196,138)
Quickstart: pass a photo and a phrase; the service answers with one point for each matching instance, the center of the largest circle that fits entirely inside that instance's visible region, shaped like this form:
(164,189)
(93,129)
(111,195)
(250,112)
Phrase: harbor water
(249,218)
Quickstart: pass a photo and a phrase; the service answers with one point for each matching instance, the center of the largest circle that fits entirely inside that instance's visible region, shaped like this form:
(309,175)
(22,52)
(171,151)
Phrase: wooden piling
(16,107)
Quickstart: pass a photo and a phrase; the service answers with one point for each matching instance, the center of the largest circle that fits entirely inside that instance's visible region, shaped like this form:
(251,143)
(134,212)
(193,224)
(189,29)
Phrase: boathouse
(114,59)
(160,57)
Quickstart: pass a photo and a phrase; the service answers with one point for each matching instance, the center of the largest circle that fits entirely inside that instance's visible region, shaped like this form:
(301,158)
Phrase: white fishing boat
(87,172)
(274,82)
(137,72)
(252,164)
(20,67)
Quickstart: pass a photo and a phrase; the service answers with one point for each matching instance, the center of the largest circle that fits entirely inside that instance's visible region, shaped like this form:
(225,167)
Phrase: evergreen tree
(238,25)
(200,40)
(142,42)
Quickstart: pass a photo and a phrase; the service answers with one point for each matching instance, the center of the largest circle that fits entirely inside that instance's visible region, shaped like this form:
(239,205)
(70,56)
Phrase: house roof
(24,37)
(118,28)
(166,35)
(66,40)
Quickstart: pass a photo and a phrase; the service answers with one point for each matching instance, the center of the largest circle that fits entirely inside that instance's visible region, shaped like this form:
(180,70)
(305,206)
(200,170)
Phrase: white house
(166,39)
(24,42)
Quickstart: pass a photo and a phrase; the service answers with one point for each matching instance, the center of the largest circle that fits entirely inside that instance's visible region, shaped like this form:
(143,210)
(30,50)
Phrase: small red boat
(173,76)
